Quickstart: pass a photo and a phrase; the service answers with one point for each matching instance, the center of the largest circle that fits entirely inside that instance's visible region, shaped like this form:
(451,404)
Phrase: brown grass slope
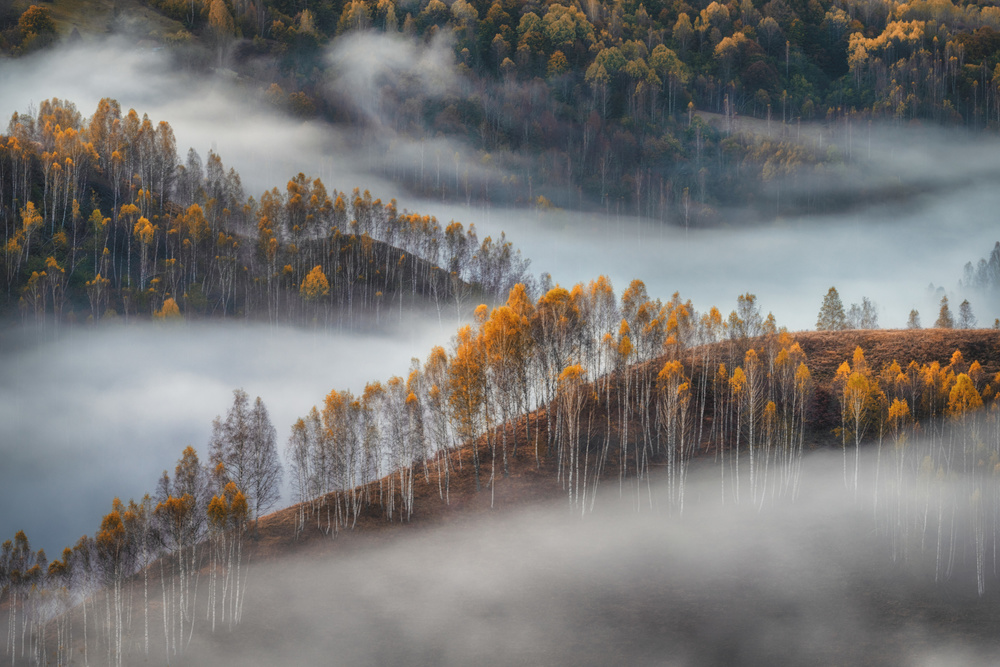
(828,349)
(532,481)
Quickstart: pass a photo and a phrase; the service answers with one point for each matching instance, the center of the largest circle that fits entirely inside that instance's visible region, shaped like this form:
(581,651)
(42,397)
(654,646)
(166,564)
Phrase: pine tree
(914,321)
(831,313)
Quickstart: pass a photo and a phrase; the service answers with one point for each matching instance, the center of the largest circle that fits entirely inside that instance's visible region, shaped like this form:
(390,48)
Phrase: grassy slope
(892,603)
(530,482)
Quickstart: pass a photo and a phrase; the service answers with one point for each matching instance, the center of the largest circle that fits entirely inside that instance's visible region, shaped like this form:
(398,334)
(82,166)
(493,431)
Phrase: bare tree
(245,445)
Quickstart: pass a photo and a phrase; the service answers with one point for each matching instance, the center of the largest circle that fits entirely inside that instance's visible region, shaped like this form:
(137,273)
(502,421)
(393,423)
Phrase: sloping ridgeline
(100,220)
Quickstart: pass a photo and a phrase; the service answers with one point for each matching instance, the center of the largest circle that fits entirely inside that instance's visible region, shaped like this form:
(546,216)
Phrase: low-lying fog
(803,583)
(100,413)
(889,253)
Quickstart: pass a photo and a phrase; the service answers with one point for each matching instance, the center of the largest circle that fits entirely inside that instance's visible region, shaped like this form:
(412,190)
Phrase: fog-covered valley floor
(804,582)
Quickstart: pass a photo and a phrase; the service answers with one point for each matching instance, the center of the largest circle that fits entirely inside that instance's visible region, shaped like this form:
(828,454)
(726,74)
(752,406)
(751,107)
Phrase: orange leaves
(672,373)
(572,376)
(218,512)
(229,510)
(31,219)
(963,397)
(466,379)
(738,382)
(177,514)
(898,417)
(672,381)
(802,377)
(144,230)
(169,311)
(315,285)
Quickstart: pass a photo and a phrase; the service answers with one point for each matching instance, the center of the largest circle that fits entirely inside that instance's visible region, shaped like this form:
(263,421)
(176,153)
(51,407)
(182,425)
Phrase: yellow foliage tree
(315,285)
(169,311)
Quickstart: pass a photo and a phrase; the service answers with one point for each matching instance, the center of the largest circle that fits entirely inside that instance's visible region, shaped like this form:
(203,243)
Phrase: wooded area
(620,392)
(184,239)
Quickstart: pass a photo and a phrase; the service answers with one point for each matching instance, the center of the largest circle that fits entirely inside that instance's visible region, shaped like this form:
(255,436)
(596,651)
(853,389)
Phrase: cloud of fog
(207,112)
(377,76)
(801,583)
(375,72)
(888,254)
(102,412)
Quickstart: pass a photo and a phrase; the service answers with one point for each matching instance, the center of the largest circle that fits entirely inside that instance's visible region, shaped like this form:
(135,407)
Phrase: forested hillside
(570,394)
(100,219)
(600,103)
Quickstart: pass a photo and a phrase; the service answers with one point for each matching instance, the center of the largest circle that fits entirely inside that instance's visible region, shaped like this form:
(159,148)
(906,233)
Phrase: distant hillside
(599,99)
(102,220)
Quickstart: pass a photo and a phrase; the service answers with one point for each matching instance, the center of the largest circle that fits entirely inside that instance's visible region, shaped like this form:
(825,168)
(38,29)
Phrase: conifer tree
(831,313)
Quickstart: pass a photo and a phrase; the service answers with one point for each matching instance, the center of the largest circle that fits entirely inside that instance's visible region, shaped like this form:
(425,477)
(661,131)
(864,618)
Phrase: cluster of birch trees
(934,478)
(97,603)
(619,385)
(98,218)
(625,388)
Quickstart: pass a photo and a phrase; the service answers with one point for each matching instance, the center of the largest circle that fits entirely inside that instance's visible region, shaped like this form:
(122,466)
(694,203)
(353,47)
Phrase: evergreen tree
(914,321)
(831,313)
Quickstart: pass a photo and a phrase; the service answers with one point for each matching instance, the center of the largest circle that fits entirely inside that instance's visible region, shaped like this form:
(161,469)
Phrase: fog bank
(800,583)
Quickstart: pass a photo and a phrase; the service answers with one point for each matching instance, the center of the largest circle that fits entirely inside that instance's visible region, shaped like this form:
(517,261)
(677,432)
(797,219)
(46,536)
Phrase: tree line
(100,219)
(196,524)
(621,390)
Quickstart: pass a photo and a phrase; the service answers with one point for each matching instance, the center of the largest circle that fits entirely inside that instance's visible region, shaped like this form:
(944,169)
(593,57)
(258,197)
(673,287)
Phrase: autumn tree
(116,553)
(572,394)
(169,311)
(507,340)
(245,444)
(945,319)
(36,21)
(221,23)
(859,394)
(228,514)
(966,320)
(673,398)
(467,389)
